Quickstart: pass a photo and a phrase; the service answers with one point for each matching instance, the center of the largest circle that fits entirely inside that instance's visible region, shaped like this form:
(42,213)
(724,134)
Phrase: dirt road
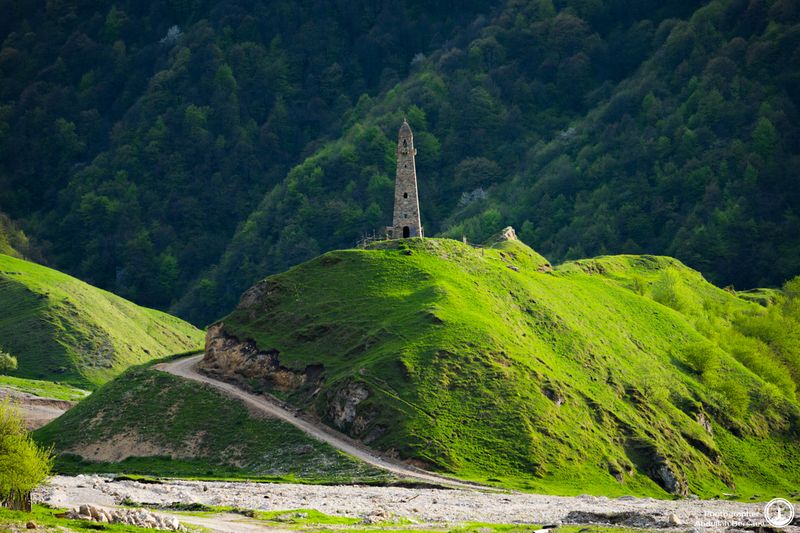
(187,368)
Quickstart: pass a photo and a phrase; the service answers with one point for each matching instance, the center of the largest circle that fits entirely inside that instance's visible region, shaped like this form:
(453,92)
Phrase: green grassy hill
(62,329)
(615,375)
(150,422)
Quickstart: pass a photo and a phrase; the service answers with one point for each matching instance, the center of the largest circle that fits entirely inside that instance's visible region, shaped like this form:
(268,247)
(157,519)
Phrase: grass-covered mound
(616,375)
(62,329)
(153,423)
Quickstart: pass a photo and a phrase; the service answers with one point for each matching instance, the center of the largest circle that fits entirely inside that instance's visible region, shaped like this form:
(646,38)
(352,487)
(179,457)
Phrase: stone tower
(406,222)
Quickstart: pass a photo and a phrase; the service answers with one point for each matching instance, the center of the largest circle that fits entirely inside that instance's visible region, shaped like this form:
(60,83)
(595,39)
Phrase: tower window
(405,143)
(405,195)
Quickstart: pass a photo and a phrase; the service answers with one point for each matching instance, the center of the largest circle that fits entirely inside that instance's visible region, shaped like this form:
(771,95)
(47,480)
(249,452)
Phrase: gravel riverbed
(432,506)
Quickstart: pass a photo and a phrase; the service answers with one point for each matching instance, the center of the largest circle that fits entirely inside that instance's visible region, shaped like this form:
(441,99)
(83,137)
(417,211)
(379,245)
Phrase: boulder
(671,478)
(508,234)
(342,410)
(132,517)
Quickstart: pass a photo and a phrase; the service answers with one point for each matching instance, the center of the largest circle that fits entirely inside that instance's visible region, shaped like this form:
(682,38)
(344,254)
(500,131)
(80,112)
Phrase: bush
(701,357)
(735,396)
(8,362)
(669,290)
(23,464)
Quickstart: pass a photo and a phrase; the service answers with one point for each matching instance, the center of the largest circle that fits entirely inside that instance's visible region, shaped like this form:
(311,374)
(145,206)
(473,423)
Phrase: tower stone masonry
(406,221)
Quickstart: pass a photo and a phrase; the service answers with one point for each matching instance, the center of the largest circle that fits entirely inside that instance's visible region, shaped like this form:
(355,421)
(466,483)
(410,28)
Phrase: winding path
(187,368)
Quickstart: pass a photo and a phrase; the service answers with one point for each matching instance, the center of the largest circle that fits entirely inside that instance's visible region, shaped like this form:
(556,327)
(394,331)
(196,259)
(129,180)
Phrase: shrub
(23,464)
(757,356)
(701,357)
(735,396)
(8,362)
(668,290)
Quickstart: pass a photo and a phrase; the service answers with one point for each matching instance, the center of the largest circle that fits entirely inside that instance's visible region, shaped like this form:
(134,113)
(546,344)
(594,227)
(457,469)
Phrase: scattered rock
(627,518)
(674,520)
(30,525)
(400,502)
(97,514)
(377,516)
(131,517)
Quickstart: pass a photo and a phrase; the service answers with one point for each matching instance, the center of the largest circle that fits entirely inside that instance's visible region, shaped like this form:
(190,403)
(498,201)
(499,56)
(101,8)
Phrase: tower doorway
(406,232)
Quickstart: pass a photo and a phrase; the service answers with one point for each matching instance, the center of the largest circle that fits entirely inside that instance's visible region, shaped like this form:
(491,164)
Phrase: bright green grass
(303,518)
(62,329)
(44,389)
(190,431)
(464,351)
(45,516)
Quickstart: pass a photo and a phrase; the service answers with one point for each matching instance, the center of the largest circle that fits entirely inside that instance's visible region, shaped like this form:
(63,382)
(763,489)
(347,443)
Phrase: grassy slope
(44,389)
(199,432)
(462,355)
(63,329)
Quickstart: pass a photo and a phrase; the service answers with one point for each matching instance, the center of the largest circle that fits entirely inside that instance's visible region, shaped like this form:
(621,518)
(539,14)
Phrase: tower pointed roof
(405,128)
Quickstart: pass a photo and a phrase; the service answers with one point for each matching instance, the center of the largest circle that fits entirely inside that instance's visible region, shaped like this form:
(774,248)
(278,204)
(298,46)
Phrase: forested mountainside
(176,151)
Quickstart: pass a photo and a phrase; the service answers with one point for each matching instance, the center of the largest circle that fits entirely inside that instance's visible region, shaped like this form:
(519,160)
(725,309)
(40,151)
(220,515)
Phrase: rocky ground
(424,506)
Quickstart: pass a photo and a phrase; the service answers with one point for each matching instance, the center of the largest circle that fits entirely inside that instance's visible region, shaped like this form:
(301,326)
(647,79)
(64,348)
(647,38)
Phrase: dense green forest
(175,151)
